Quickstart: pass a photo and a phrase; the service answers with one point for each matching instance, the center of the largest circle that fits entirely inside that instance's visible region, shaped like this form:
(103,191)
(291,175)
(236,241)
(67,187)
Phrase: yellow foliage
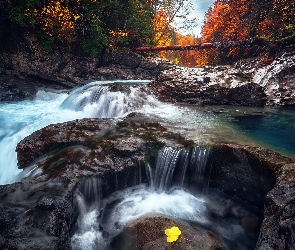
(119,33)
(172,234)
(57,19)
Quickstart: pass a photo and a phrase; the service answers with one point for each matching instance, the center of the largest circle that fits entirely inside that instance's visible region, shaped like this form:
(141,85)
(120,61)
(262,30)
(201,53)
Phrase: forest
(96,26)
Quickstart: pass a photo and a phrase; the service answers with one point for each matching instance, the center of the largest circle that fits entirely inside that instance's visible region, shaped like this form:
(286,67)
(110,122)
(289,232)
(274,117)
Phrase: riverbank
(26,68)
(252,82)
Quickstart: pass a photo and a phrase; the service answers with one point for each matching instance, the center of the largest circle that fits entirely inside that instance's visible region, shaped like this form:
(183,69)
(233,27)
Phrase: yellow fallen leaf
(172,234)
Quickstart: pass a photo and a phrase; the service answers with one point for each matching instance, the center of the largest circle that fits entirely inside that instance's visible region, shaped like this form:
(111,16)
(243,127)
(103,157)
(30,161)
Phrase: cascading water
(100,219)
(88,231)
(161,177)
(107,100)
(115,99)
(101,99)
(180,161)
(94,100)
(162,197)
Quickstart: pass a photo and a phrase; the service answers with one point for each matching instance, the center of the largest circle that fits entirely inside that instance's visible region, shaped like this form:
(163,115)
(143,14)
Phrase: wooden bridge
(244,43)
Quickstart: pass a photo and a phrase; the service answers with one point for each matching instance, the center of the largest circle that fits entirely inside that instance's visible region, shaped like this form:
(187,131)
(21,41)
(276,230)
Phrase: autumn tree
(167,16)
(225,21)
(278,21)
(93,25)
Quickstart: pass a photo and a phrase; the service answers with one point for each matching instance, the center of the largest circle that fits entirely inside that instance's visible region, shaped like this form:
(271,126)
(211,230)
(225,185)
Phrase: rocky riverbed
(41,211)
(25,68)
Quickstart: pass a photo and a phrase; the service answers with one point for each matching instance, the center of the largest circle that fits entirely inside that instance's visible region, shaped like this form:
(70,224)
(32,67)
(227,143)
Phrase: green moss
(57,163)
(188,144)
(151,153)
(149,136)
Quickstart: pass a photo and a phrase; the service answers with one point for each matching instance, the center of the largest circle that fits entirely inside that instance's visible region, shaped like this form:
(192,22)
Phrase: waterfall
(166,162)
(103,99)
(88,234)
(102,218)
(91,189)
(179,167)
(107,100)
(198,163)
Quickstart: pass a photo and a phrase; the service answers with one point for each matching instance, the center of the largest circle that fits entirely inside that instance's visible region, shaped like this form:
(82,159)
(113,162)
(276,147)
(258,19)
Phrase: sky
(200,8)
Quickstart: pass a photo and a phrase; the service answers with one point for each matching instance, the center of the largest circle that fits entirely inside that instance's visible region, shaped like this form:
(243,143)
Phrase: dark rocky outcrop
(40,212)
(22,60)
(277,230)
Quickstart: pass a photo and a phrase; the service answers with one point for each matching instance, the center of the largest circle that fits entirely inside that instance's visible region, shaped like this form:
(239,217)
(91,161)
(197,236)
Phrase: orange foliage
(162,35)
(224,22)
(57,19)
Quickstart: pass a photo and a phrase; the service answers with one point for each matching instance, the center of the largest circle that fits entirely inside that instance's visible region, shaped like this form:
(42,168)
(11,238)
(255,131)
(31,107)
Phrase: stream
(256,126)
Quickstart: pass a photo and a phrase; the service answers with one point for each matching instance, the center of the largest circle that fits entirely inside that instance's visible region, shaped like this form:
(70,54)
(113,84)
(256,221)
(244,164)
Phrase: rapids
(102,218)
(268,127)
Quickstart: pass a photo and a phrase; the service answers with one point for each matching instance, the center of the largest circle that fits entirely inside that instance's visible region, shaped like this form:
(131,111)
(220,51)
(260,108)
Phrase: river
(269,127)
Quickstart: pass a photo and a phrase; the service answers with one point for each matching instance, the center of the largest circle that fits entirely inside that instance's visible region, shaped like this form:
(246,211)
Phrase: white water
(95,99)
(124,206)
(131,204)
(103,219)
(19,120)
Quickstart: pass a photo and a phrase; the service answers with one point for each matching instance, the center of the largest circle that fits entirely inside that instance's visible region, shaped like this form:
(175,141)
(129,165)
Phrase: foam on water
(21,119)
(109,216)
(101,99)
(137,203)
(127,205)
(210,212)
(88,234)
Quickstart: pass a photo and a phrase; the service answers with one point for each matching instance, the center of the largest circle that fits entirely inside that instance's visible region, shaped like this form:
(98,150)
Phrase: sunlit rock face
(249,83)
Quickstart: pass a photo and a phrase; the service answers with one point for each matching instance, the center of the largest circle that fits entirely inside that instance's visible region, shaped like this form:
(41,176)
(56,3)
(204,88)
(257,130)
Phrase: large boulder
(149,233)
(248,83)
(213,86)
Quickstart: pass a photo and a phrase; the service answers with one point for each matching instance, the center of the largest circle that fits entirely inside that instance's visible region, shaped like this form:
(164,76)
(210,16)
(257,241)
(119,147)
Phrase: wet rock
(41,211)
(245,172)
(99,143)
(247,83)
(62,68)
(47,203)
(277,230)
(34,213)
(149,233)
